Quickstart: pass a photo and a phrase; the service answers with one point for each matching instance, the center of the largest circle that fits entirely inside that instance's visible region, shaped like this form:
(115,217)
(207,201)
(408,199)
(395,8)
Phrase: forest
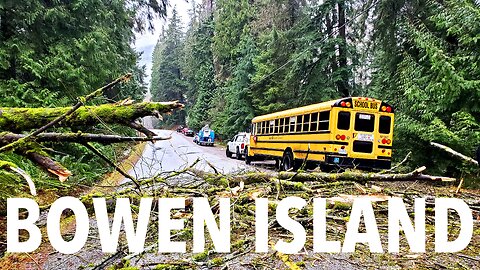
(240,59)
(52,53)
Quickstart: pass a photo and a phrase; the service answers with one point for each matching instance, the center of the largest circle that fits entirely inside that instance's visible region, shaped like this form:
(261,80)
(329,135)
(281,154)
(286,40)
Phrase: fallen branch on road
(19,120)
(340,189)
(355,176)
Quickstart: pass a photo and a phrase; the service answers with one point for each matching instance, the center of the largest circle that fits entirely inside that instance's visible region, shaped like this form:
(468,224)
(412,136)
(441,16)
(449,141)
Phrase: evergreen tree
(52,52)
(167,79)
(202,74)
(425,64)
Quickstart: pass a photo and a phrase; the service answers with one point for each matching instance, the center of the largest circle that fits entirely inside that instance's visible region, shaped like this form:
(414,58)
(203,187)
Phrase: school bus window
(325,116)
(265,127)
(299,123)
(385,124)
(306,122)
(277,125)
(314,122)
(282,125)
(364,122)
(324,121)
(343,120)
(272,125)
(292,124)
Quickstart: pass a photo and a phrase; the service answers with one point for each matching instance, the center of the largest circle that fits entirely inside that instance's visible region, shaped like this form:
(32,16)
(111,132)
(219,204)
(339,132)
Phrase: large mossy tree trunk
(18,120)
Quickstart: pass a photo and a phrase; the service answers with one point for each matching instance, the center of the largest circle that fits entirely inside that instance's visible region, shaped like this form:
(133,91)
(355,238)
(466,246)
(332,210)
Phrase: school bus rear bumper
(347,162)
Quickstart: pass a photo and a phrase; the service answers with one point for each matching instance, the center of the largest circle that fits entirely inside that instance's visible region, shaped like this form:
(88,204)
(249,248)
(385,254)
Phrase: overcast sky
(146,42)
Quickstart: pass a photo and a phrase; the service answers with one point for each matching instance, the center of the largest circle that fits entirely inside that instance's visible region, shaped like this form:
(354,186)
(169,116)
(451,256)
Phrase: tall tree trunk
(342,85)
(333,63)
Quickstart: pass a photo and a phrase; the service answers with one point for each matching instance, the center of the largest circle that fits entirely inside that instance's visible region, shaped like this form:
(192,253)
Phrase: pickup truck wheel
(229,155)
(238,155)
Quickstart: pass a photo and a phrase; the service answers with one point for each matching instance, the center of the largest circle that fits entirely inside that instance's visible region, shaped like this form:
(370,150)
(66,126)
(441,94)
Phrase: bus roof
(303,110)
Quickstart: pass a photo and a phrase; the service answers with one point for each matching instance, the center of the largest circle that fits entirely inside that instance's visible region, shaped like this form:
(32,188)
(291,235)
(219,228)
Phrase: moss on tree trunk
(18,120)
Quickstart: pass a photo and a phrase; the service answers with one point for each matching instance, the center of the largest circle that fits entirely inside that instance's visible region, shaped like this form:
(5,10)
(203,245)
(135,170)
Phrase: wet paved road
(164,156)
(181,152)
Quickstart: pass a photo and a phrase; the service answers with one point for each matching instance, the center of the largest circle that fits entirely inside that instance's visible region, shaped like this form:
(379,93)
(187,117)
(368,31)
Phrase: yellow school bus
(349,132)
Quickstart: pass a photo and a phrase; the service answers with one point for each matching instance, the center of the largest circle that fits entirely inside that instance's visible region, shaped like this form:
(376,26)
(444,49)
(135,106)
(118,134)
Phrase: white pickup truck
(237,145)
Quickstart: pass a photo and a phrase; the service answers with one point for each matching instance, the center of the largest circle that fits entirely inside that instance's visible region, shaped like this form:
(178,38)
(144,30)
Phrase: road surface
(181,152)
(174,154)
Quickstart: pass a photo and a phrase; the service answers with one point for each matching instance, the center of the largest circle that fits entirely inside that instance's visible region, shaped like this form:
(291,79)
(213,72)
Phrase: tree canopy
(247,58)
(51,54)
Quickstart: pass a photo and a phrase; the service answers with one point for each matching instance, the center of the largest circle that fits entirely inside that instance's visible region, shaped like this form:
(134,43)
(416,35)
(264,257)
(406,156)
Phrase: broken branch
(79,137)
(454,153)
(354,176)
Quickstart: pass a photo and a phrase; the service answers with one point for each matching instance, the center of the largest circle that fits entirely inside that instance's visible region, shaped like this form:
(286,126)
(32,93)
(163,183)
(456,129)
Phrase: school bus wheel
(287,160)
(278,163)
(248,160)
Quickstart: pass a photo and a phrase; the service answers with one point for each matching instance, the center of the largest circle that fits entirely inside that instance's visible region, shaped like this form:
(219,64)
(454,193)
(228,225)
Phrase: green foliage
(52,52)
(61,50)
(427,67)
(249,58)
(199,72)
(167,80)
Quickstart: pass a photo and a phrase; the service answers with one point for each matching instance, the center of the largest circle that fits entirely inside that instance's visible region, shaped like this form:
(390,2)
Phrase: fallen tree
(339,190)
(18,120)
(457,154)
(356,176)
(25,127)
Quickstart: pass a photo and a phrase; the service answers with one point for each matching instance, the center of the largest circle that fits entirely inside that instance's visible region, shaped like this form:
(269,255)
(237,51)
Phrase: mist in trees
(239,58)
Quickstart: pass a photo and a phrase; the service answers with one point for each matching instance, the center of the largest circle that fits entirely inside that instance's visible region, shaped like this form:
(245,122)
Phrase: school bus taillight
(346,104)
(386,141)
(387,109)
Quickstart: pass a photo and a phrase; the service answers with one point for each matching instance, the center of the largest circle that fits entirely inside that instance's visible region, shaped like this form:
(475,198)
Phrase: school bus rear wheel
(287,161)
(248,160)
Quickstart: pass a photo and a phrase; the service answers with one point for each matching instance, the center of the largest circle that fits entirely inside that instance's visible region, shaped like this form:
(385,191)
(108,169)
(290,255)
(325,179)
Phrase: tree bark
(6,138)
(19,120)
